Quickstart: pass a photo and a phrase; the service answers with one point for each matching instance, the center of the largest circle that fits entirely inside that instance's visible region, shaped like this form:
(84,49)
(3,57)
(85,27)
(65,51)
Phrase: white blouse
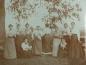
(26,46)
(37,34)
(11,34)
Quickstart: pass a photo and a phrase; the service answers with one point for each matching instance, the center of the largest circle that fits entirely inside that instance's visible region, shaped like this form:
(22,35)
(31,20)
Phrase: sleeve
(37,34)
(32,35)
(78,34)
(22,45)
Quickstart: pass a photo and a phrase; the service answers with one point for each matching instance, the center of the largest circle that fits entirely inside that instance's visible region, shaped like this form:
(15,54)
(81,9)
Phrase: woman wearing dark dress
(46,43)
(76,54)
(37,43)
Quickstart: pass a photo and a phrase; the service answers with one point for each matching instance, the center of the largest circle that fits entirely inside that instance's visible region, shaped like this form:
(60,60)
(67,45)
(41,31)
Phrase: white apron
(56,43)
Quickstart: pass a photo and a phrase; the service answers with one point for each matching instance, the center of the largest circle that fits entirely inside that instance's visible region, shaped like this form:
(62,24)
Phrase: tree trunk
(2,24)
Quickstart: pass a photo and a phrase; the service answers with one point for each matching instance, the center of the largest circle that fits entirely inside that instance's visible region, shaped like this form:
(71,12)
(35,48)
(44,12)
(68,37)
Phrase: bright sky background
(36,19)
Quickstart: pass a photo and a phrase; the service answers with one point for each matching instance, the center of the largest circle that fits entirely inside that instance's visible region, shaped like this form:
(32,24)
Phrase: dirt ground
(39,60)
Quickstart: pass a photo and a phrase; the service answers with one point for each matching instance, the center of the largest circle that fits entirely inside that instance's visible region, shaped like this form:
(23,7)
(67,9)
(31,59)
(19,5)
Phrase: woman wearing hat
(37,45)
(56,41)
(10,50)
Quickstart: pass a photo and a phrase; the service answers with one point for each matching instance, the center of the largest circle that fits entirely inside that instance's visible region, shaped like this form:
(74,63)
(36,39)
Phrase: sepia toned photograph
(42,32)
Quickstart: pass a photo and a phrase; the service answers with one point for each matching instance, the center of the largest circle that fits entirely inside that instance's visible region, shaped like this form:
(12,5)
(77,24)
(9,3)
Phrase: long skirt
(62,50)
(75,49)
(67,39)
(47,43)
(85,52)
(56,44)
(10,50)
(18,40)
(37,46)
(76,54)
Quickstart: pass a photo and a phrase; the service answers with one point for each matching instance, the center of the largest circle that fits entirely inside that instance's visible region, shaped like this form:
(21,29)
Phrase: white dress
(56,44)
(10,49)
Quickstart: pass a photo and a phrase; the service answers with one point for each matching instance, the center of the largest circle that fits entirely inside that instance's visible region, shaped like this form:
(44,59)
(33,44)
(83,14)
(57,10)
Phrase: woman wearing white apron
(56,42)
(10,50)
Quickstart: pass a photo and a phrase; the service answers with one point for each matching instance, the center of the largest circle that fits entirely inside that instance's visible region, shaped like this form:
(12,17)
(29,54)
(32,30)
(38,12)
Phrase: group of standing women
(69,41)
(66,40)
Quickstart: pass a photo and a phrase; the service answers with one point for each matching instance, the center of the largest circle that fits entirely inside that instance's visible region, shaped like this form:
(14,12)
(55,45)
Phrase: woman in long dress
(37,44)
(10,50)
(75,46)
(56,42)
(76,53)
(76,50)
(66,38)
(46,41)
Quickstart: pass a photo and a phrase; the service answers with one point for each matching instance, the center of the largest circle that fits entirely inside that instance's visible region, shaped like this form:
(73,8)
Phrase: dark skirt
(68,40)
(76,52)
(37,46)
(75,49)
(47,43)
(20,53)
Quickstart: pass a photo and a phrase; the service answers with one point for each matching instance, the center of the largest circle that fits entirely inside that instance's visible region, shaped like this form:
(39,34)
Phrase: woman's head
(26,25)
(72,24)
(10,26)
(26,40)
(65,25)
